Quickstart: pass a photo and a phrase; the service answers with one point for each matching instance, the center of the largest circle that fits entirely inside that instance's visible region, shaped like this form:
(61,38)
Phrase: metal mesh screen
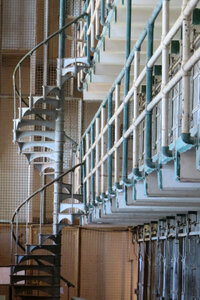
(18,24)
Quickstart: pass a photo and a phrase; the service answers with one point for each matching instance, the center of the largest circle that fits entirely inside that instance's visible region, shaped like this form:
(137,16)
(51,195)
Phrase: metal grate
(19,20)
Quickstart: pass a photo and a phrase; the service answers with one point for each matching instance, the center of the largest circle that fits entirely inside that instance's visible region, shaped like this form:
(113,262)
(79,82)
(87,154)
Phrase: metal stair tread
(30,297)
(52,248)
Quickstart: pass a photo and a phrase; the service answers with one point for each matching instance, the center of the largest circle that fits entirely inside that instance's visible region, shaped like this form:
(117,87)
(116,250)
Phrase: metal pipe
(92,166)
(109,160)
(135,115)
(117,133)
(87,169)
(97,158)
(148,114)
(45,62)
(165,72)
(186,76)
(127,81)
(59,124)
(92,25)
(103,12)
(102,152)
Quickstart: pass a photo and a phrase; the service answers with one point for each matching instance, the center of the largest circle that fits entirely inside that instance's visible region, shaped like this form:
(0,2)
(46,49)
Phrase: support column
(59,124)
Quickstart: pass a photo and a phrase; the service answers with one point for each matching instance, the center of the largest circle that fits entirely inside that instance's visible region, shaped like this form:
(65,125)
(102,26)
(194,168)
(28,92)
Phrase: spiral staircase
(39,133)
(160,189)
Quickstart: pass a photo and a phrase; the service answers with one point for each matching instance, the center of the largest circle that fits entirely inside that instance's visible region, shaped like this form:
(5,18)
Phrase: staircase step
(28,133)
(64,206)
(50,89)
(26,111)
(30,122)
(40,297)
(70,217)
(47,100)
(80,60)
(44,237)
(45,144)
(33,155)
(55,249)
(52,290)
(78,197)
(43,268)
(52,259)
(47,279)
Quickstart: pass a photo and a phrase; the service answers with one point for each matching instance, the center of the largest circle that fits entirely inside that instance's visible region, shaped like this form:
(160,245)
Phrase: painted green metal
(149,166)
(110,144)
(103,12)
(127,63)
(62,13)
(175,47)
(127,81)
(83,171)
(92,166)
(196,16)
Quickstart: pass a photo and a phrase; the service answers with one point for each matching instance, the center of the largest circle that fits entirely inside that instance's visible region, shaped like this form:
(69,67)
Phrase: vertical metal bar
(109,161)
(92,25)
(92,166)
(88,38)
(20,93)
(149,265)
(45,53)
(97,158)
(16,232)
(148,114)
(127,81)
(83,171)
(87,168)
(11,242)
(186,77)
(31,84)
(135,115)
(102,12)
(102,151)
(59,124)
(97,22)
(117,133)
(165,71)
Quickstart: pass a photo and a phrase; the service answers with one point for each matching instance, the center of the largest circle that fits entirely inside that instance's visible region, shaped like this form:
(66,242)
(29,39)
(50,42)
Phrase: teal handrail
(126,65)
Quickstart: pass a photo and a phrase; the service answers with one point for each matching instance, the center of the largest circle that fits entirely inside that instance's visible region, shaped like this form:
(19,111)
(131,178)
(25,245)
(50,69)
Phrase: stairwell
(138,161)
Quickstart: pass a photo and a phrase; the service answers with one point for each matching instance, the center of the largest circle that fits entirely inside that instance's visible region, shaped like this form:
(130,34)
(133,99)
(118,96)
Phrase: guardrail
(148,143)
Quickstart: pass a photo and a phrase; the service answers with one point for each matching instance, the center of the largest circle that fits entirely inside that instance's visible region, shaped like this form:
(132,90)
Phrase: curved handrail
(42,189)
(44,42)
(34,49)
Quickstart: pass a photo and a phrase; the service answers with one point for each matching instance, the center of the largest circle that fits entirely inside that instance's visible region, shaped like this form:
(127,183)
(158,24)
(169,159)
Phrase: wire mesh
(19,20)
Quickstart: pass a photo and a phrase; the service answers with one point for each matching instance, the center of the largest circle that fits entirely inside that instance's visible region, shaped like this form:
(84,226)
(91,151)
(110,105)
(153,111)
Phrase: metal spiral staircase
(151,121)
(39,133)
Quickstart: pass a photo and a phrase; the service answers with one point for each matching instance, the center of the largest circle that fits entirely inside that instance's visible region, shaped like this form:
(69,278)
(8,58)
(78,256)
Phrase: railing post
(165,70)
(186,78)
(59,124)
(148,114)
(92,166)
(83,170)
(87,169)
(117,134)
(127,81)
(97,159)
(135,115)
(102,152)
(102,12)
(110,138)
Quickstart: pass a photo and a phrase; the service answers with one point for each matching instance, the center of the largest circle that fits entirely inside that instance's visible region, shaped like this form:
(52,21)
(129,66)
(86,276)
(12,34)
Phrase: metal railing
(16,215)
(145,137)
(18,87)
